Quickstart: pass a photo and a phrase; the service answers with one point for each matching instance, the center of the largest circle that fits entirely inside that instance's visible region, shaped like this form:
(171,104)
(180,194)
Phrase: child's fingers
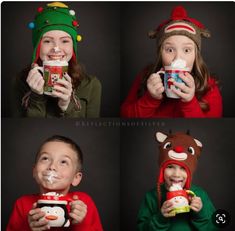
(182,87)
(67,77)
(40,225)
(75,197)
(34,65)
(36,214)
(188,79)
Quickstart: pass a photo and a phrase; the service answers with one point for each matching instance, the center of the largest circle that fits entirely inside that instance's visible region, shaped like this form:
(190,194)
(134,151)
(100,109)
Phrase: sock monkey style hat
(180,24)
(178,148)
(55,16)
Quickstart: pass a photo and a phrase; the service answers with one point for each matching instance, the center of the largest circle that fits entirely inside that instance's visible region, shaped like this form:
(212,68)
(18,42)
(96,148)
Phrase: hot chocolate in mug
(56,208)
(52,71)
(171,75)
(180,200)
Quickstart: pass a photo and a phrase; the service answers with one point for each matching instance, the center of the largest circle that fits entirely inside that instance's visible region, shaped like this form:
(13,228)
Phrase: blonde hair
(199,72)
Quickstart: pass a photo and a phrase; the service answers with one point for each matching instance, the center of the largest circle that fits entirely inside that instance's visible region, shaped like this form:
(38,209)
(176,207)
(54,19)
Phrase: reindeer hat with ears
(180,24)
(178,148)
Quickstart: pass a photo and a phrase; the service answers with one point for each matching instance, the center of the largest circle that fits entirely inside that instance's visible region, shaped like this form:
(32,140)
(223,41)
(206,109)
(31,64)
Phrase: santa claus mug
(52,71)
(171,75)
(56,209)
(180,200)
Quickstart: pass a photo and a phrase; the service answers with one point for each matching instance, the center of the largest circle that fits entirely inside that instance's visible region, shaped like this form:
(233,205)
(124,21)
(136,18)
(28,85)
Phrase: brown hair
(65,140)
(199,72)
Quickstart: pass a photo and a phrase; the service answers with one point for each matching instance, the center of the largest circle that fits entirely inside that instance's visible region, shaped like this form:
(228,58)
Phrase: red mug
(53,70)
(180,200)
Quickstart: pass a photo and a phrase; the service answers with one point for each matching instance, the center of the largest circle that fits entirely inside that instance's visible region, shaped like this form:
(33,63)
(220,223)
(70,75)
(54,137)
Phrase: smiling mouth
(56,57)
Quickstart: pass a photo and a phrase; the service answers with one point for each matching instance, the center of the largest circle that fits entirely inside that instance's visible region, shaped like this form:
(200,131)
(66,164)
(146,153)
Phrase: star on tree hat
(55,16)
(180,24)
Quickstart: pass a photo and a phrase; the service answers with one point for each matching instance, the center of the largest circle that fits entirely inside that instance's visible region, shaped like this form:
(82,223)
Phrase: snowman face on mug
(179,201)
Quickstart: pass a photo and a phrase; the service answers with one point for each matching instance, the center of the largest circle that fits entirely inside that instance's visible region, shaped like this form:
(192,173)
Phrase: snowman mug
(180,200)
(171,74)
(56,209)
(52,71)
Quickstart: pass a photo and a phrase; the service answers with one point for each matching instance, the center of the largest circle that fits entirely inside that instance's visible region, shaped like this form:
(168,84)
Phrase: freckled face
(56,45)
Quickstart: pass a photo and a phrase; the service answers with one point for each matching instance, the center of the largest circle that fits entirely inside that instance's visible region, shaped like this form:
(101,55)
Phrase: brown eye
(167,145)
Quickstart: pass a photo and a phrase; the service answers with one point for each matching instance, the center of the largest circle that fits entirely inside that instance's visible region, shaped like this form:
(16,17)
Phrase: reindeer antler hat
(178,148)
(180,24)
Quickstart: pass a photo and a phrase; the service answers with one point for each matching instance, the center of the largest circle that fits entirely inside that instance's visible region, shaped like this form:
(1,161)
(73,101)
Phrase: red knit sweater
(148,107)
(19,217)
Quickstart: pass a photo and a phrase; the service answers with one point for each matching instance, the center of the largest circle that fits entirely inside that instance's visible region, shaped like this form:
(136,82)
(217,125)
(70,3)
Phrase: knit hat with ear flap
(180,24)
(178,148)
(55,16)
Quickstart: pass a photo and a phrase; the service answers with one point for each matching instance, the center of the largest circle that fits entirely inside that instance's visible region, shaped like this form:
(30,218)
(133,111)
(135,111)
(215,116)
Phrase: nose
(52,166)
(177,54)
(178,149)
(56,49)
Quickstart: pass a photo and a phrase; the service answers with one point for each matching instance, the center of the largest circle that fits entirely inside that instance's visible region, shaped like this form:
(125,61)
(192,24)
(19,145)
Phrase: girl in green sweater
(176,204)
(54,35)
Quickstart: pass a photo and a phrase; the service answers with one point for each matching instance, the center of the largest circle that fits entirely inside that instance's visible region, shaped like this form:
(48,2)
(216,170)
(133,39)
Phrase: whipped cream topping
(53,194)
(178,63)
(175,187)
(51,176)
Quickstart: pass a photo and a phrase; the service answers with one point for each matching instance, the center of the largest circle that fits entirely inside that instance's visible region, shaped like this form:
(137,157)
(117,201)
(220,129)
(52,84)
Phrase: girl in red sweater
(199,95)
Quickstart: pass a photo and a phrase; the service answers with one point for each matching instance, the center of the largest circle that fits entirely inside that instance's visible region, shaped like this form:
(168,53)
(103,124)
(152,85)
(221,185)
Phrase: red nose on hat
(178,149)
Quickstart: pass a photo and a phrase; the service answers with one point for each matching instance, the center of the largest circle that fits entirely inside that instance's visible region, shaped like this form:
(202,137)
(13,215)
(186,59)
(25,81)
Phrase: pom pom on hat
(178,13)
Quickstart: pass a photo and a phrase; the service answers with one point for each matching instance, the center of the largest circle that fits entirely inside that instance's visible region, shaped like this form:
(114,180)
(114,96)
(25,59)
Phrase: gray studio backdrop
(99,51)
(137,50)
(101,148)
(139,168)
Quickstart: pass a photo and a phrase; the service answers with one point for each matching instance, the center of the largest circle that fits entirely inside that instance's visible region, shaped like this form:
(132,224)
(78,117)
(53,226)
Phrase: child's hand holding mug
(35,80)
(63,90)
(186,90)
(35,220)
(78,210)
(196,204)
(166,209)
(155,86)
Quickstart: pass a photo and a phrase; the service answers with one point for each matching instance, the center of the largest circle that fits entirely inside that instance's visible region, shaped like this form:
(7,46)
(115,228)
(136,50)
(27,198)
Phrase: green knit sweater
(88,96)
(150,217)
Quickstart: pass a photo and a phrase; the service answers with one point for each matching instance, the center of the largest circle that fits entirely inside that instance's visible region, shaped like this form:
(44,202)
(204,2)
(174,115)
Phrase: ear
(205,33)
(199,144)
(77,179)
(152,34)
(161,137)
